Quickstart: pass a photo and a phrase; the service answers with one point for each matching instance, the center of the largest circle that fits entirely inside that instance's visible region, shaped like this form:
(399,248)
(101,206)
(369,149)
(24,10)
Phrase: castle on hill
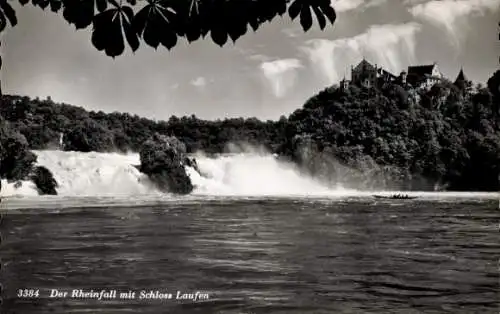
(417,77)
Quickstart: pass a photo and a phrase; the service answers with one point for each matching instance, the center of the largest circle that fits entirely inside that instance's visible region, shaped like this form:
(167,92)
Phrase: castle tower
(402,77)
(344,84)
(460,77)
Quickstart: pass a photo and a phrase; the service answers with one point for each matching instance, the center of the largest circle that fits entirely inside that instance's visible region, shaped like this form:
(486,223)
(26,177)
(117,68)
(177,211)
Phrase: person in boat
(400,196)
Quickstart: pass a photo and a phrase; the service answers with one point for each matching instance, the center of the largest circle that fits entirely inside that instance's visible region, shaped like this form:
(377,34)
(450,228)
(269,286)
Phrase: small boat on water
(396,197)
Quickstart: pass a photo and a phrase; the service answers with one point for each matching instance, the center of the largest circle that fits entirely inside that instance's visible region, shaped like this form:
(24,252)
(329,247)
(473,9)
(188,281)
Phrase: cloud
(292,32)
(413,2)
(346,5)
(391,46)
(259,57)
(199,82)
(349,5)
(448,14)
(280,74)
(375,3)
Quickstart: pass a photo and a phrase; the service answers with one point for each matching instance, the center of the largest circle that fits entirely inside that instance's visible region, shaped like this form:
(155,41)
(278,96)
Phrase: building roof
(364,65)
(385,73)
(421,70)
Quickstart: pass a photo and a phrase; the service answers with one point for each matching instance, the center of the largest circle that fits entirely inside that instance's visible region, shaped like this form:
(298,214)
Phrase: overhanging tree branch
(156,22)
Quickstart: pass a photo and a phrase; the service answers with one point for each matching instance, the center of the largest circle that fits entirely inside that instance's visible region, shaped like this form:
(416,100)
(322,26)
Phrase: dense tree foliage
(17,162)
(16,159)
(448,135)
(163,159)
(445,135)
(44,181)
(494,87)
(42,122)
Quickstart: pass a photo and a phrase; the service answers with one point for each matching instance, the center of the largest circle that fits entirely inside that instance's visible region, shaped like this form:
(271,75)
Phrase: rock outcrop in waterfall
(163,159)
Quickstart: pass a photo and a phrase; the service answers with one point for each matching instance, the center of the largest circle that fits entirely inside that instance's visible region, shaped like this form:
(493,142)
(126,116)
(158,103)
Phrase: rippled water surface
(258,256)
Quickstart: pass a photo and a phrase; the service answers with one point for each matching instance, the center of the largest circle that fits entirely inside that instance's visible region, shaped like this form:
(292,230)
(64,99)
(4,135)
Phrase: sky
(265,74)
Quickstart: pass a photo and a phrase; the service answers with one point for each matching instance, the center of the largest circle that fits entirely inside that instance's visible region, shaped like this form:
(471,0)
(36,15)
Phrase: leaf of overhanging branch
(253,16)
(40,3)
(114,3)
(237,31)
(294,9)
(116,45)
(107,34)
(101,34)
(235,16)
(276,7)
(23,2)
(168,37)
(219,35)
(194,7)
(139,21)
(145,26)
(109,27)
(128,13)
(281,7)
(55,5)
(254,23)
(101,5)
(222,22)
(151,34)
(329,12)
(322,9)
(305,18)
(9,12)
(189,18)
(3,21)
(81,12)
(267,10)
(156,23)
(130,34)
(193,29)
(320,17)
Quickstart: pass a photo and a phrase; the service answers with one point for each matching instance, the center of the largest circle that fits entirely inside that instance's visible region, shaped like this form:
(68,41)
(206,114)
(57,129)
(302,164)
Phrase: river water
(353,255)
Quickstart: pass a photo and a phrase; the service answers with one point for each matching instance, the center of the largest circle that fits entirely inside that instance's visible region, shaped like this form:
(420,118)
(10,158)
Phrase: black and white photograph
(250,156)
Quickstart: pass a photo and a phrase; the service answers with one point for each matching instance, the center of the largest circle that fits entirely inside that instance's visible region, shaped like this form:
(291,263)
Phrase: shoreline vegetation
(389,136)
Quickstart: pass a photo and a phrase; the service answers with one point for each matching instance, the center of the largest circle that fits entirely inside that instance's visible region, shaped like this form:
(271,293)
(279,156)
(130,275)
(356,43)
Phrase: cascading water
(95,174)
(112,174)
(250,174)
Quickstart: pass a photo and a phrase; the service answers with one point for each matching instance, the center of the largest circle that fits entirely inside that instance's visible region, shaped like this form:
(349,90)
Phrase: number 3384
(28,293)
